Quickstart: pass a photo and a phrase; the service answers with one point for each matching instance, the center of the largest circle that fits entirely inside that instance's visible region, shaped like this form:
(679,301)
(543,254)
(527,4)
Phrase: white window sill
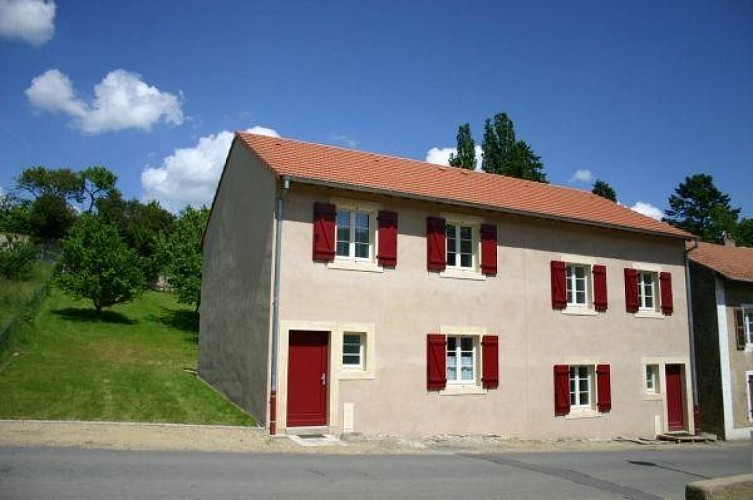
(578,413)
(463,390)
(579,311)
(748,348)
(356,375)
(456,273)
(355,265)
(651,396)
(649,314)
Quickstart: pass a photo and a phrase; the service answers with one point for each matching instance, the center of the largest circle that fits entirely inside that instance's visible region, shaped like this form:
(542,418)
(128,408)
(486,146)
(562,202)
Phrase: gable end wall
(236,284)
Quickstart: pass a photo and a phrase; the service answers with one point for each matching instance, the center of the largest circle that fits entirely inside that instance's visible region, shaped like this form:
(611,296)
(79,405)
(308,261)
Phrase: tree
(523,163)
(182,253)
(96,182)
(603,189)
(50,217)
(142,226)
(14,215)
(744,233)
(61,183)
(505,155)
(96,264)
(466,149)
(499,139)
(701,209)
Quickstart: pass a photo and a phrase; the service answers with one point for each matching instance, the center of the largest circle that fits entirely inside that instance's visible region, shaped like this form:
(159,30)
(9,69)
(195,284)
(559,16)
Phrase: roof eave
(478,206)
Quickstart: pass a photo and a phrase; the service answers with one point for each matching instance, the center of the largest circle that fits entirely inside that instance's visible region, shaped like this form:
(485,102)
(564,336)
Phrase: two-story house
(357,292)
(721,278)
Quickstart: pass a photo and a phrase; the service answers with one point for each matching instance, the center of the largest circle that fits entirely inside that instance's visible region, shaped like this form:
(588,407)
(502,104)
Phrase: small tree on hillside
(183,255)
(96,264)
(604,190)
(466,149)
(744,233)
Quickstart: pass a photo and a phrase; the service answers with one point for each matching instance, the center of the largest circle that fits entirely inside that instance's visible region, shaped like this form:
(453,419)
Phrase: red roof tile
(359,170)
(735,263)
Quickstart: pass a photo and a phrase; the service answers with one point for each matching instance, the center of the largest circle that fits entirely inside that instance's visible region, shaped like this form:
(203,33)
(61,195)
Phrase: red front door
(307,378)
(675,407)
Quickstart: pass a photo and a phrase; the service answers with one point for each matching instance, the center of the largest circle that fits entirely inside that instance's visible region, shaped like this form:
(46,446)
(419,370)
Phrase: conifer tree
(604,190)
(466,149)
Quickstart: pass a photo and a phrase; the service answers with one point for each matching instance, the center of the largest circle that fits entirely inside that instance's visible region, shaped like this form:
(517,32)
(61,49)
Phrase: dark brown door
(675,406)
(307,378)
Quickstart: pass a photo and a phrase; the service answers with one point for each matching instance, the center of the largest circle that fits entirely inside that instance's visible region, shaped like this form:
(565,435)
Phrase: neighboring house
(418,299)
(721,279)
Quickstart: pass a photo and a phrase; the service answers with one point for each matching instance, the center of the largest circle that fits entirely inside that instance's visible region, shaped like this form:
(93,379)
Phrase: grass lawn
(127,365)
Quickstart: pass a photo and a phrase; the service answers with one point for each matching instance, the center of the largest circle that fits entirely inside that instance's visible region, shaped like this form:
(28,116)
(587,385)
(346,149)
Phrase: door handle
(324,379)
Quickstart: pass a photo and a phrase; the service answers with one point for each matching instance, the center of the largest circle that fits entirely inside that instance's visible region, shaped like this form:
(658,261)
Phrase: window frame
(587,284)
(362,340)
(351,262)
(454,270)
(578,406)
(465,389)
(748,325)
(654,379)
(367,331)
(458,351)
(748,377)
(655,291)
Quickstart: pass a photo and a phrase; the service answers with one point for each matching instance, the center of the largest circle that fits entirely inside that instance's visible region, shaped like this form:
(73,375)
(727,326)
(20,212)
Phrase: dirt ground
(144,436)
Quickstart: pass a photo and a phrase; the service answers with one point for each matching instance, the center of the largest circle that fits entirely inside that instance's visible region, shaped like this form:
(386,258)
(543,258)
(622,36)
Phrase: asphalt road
(103,474)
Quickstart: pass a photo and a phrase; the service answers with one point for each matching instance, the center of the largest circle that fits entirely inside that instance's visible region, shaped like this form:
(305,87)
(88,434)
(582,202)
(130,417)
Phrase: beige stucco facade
(396,308)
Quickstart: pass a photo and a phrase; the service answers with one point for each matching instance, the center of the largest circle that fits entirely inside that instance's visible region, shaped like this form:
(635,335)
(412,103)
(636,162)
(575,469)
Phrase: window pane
(466,260)
(362,220)
(466,343)
(466,246)
(343,233)
(451,366)
(465,233)
(362,250)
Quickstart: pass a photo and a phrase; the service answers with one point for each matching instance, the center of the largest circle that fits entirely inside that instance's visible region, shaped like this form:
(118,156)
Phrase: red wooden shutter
(561,389)
(665,282)
(324,232)
(489,249)
(559,286)
(436,251)
(631,290)
(387,254)
(737,313)
(600,287)
(436,358)
(603,388)
(490,361)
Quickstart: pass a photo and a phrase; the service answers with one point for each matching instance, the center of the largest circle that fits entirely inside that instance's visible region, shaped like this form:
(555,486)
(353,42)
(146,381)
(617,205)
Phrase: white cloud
(189,176)
(122,100)
(29,20)
(648,210)
(346,140)
(582,175)
(441,156)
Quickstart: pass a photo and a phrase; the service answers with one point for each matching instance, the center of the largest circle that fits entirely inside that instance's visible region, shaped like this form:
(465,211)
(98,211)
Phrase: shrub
(17,257)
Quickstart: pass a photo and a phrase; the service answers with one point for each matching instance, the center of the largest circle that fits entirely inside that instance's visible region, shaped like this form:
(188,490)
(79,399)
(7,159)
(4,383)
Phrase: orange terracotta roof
(359,170)
(735,263)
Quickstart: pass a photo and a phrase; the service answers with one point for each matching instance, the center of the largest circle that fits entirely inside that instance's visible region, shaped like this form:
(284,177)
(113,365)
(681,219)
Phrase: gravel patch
(148,436)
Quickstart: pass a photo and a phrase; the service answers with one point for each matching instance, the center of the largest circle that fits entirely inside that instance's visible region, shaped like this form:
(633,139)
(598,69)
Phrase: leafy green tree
(17,257)
(96,182)
(14,215)
(701,209)
(183,255)
(505,155)
(50,217)
(142,226)
(466,149)
(61,183)
(603,189)
(744,233)
(523,163)
(499,139)
(96,264)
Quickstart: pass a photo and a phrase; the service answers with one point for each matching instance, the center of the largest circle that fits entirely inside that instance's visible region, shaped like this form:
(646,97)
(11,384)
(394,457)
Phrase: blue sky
(640,94)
